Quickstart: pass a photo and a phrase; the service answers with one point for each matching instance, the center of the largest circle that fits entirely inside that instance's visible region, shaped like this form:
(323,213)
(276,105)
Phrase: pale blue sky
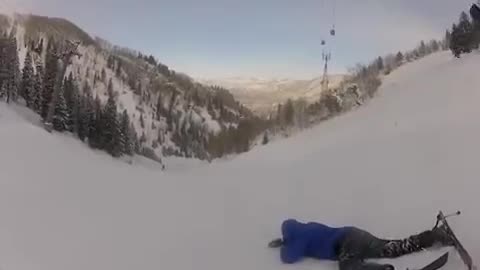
(261,38)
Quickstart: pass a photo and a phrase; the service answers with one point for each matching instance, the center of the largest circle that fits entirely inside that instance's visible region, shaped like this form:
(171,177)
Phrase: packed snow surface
(387,167)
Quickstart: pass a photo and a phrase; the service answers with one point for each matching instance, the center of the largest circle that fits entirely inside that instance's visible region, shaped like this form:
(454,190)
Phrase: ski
(464,255)
(436,264)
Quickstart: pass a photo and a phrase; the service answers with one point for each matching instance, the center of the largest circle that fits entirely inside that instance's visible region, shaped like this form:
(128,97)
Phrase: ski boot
(442,235)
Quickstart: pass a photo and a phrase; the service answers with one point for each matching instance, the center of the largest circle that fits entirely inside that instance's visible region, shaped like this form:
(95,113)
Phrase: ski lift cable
(334,13)
(332,30)
(322,22)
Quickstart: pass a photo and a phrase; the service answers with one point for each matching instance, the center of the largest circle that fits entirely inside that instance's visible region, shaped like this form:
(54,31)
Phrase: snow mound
(387,167)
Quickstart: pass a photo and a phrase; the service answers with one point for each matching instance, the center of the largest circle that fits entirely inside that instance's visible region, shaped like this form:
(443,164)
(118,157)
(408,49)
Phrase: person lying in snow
(350,246)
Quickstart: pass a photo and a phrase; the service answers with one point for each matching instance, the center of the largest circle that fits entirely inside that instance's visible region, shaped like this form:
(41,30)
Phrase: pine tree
(446,40)
(379,64)
(96,137)
(38,86)
(28,82)
(60,117)
(81,112)
(104,75)
(118,72)
(74,113)
(49,80)
(159,106)
(135,140)
(142,122)
(170,112)
(10,69)
(3,90)
(110,62)
(143,139)
(110,88)
(289,112)
(126,134)
(467,28)
(14,81)
(280,118)
(160,136)
(68,86)
(71,93)
(36,96)
(462,39)
(40,46)
(399,58)
(87,119)
(475,34)
(265,138)
(455,41)
(434,46)
(422,49)
(3,65)
(111,132)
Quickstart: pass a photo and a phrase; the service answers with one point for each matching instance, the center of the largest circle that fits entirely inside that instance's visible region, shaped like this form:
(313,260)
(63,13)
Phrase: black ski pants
(358,245)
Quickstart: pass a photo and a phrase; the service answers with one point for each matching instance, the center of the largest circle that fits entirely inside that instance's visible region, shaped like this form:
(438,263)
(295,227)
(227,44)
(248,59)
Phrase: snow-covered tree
(3,90)
(28,82)
(289,112)
(434,46)
(112,132)
(3,65)
(87,118)
(160,109)
(399,58)
(95,136)
(462,39)
(74,120)
(110,87)
(81,110)
(422,49)
(71,94)
(446,40)
(38,87)
(379,64)
(35,94)
(126,134)
(265,138)
(9,67)
(60,116)
(14,76)
(49,79)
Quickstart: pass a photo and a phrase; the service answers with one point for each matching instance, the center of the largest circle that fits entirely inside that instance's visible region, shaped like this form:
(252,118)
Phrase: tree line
(75,110)
(464,36)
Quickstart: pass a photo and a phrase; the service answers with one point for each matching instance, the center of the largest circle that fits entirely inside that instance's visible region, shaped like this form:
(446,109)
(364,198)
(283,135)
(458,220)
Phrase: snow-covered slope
(262,95)
(171,114)
(387,167)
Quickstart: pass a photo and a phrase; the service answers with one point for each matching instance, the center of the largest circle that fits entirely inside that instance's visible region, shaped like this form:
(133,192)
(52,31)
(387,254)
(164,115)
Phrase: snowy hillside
(387,167)
(171,114)
(261,95)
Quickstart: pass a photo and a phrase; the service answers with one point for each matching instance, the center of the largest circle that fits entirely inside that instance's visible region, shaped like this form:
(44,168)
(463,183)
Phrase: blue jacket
(312,240)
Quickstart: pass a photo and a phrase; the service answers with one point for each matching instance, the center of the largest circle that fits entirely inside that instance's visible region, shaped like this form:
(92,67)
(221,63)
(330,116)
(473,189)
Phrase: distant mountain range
(261,95)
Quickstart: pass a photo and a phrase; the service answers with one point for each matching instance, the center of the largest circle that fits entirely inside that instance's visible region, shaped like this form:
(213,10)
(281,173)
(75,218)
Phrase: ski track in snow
(387,167)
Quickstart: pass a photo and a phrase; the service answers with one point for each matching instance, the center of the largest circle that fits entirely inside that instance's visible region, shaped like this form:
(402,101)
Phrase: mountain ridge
(171,113)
